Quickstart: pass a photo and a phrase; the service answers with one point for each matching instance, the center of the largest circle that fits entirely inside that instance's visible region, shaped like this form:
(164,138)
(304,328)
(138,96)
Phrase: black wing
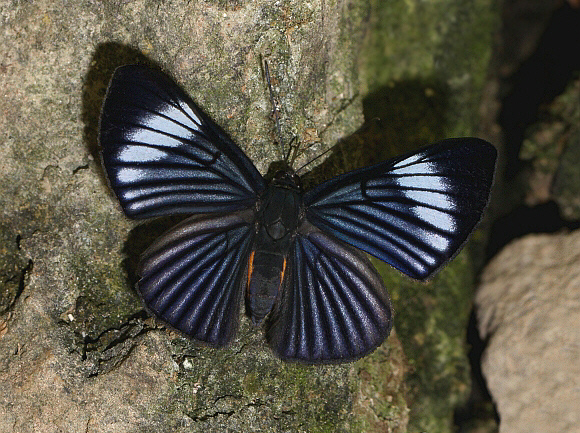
(192,276)
(333,305)
(164,156)
(414,212)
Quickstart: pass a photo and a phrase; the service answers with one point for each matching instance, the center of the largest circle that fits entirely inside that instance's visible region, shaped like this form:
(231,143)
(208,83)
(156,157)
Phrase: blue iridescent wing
(164,156)
(333,306)
(192,277)
(414,212)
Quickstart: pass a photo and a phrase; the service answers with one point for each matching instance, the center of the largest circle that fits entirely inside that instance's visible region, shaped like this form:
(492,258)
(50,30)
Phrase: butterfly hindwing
(164,156)
(192,276)
(333,306)
(413,212)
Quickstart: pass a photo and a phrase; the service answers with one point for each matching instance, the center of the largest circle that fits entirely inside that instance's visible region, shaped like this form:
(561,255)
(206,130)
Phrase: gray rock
(528,308)
(77,351)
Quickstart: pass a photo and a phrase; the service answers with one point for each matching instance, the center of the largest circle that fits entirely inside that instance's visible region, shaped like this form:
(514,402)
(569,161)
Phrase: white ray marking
(437,183)
(189,119)
(175,123)
(441,220)
(432,198)
(425,167)
(437,218)
(145,136)
(135,153)
(434,240)
(185,107)
(410,160)
(129,175)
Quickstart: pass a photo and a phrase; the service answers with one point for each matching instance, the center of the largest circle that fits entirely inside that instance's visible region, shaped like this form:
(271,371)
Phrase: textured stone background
(529,309)
(78,352)
(528,302)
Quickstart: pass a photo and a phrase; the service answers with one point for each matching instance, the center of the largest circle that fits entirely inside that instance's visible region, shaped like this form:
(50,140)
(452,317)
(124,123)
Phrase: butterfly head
(287,178)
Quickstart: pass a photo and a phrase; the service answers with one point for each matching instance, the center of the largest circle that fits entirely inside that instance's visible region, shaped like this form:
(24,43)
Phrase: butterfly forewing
(192,276)
(414,212)
(333,305)
(164,156)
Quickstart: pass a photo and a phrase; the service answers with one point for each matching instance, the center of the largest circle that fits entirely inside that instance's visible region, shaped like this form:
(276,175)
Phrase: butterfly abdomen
(278,216)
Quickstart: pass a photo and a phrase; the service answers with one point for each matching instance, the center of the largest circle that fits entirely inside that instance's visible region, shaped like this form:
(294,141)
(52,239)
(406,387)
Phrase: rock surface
(528,308)
(77,351)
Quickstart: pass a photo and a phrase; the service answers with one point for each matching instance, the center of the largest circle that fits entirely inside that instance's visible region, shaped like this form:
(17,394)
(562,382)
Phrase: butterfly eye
(296,179)
(280,174)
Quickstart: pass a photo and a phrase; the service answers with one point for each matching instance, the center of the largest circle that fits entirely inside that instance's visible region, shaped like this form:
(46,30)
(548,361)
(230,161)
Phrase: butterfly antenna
(275,110)
(292,153)
(313,159)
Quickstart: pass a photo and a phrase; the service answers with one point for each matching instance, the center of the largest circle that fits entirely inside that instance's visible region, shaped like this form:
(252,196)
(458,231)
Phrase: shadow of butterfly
(297,255)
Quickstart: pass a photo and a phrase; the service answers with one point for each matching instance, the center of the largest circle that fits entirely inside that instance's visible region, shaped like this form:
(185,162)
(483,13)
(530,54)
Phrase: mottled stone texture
(77,351)
(552,148)
(528,308)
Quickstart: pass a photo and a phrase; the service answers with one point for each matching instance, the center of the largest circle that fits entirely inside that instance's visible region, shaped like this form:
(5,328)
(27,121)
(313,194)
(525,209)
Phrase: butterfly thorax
(279,214)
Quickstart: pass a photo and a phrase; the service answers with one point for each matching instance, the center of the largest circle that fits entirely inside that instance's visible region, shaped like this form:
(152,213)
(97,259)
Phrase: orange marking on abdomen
(283,271)
(250,268)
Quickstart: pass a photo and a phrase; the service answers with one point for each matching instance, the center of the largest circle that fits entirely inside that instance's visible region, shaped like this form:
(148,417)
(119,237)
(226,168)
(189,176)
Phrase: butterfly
(297,257)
